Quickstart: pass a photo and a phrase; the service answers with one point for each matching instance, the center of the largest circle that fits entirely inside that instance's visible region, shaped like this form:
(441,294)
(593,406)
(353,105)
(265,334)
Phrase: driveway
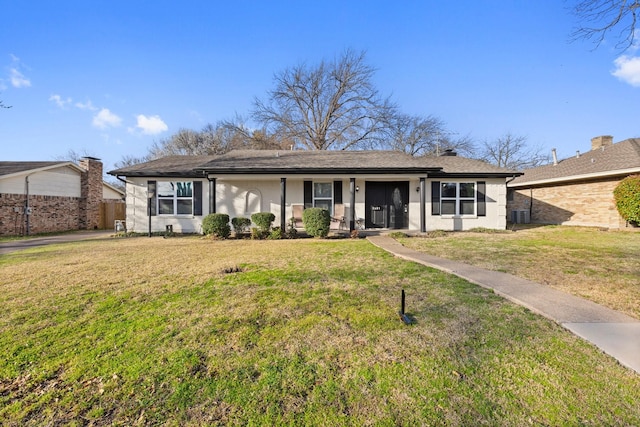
(17,245)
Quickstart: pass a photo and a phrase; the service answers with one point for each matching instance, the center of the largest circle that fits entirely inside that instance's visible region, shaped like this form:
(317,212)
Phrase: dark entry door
(386,204)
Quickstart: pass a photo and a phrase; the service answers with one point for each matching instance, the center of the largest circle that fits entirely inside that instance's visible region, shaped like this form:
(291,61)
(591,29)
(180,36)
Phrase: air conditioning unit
(520,217)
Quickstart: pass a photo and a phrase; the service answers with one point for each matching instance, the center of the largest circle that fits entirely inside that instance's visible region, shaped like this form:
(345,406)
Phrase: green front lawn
(159,331)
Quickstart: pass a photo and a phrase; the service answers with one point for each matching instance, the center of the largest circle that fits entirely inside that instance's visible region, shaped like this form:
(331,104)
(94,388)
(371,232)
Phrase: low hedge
(241,224)
(627,196)
(217,225)
(263,220)
(316,222)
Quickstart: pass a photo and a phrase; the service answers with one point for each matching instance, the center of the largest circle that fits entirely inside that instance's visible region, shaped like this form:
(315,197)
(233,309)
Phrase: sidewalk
(615,333)
(16,245)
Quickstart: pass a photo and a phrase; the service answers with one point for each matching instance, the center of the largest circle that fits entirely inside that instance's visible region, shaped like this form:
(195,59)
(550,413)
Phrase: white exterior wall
(237,197)
(496,208)
(61,182)
(137,217)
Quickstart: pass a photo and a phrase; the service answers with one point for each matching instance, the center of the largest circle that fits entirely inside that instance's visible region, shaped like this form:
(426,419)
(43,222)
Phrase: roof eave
(582,177)
(149,174)
(43,169)
(320,171)
(475,174)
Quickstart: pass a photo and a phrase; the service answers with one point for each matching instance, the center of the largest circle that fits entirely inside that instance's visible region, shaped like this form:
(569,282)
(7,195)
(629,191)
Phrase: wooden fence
(110,212)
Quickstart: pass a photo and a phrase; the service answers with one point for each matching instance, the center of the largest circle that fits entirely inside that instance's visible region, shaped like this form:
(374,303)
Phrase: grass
(603,266)
(169,332)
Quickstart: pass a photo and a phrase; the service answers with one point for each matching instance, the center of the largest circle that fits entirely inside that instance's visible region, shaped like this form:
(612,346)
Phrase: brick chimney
(91,193)
(601,141)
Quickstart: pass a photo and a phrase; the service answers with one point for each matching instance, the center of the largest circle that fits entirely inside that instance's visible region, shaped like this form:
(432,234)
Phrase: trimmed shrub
(217,225)
(316,222)
(627,196)
(263,220)
(241,224)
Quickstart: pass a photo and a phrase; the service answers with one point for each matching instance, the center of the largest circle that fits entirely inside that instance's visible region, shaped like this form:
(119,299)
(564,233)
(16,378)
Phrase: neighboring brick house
(578,190)
(43,197)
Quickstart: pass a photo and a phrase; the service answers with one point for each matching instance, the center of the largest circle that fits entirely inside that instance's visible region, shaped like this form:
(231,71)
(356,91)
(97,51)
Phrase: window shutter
(337,192)
(308,194)
(151,201)
(481,198)
(435,197)
(197,198)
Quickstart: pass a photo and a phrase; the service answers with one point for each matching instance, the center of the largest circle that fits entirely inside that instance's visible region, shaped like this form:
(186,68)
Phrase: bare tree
(128,160)
(215,140)
(512,152)
(424,136)
(333,105)
(74,156)
(600,17)
(415,135)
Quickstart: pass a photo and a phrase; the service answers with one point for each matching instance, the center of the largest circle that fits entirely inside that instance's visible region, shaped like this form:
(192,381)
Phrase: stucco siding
(237,197)
(496,213)
(137,216)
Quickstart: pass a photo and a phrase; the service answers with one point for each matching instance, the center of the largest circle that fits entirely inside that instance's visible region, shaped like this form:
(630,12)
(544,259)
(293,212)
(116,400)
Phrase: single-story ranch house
(579,190)
(44,197)
(361,190)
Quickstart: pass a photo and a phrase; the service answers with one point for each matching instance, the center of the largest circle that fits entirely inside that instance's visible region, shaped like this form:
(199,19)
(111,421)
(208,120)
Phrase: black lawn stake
(403,316)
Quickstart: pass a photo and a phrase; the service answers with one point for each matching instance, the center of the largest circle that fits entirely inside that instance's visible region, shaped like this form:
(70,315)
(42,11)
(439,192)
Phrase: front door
(386,204)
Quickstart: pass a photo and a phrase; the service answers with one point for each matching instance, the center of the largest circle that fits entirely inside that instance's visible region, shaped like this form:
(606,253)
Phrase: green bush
(257,234)
(263,220)
(275,234)
(216,224)
(316,222)
(627,196)
(241,224)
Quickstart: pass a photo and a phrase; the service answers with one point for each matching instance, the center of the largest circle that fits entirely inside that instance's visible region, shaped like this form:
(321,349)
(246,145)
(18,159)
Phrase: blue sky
(108,78)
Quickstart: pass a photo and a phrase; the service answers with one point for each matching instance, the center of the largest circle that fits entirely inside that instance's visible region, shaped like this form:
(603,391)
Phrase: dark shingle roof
(9,168)
(166,166)
(329,162)
(612,160)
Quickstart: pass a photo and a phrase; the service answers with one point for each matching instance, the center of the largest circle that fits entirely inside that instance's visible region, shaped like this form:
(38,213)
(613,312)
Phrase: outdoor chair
(338,216)
(296,217)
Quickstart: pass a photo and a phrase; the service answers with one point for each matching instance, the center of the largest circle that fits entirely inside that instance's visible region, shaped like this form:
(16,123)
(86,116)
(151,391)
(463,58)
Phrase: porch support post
(283,204)
(352,203)
(212,195)
(423,208)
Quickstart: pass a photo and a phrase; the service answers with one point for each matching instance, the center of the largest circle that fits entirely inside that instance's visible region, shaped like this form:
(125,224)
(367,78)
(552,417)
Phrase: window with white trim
(323,196)
(458,198)
(175,197)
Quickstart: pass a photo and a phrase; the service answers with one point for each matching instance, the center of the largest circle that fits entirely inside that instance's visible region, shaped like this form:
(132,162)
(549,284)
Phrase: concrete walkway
(16,245)
(613,332)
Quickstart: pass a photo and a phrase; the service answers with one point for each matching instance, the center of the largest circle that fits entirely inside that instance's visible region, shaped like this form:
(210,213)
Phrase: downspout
(212,195)
(283,204)
(352,201)
(27,208)
(423,209)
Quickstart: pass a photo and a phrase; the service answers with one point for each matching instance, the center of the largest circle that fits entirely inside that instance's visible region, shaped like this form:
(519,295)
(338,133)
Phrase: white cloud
(18,80)
(62,103)
(86,106)
(152,125)
(105,119)
(628,69)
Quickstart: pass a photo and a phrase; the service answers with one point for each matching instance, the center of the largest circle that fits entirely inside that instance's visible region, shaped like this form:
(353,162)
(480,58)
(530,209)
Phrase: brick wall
(55,213)
(91,190)
(583,204)
(50,214)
